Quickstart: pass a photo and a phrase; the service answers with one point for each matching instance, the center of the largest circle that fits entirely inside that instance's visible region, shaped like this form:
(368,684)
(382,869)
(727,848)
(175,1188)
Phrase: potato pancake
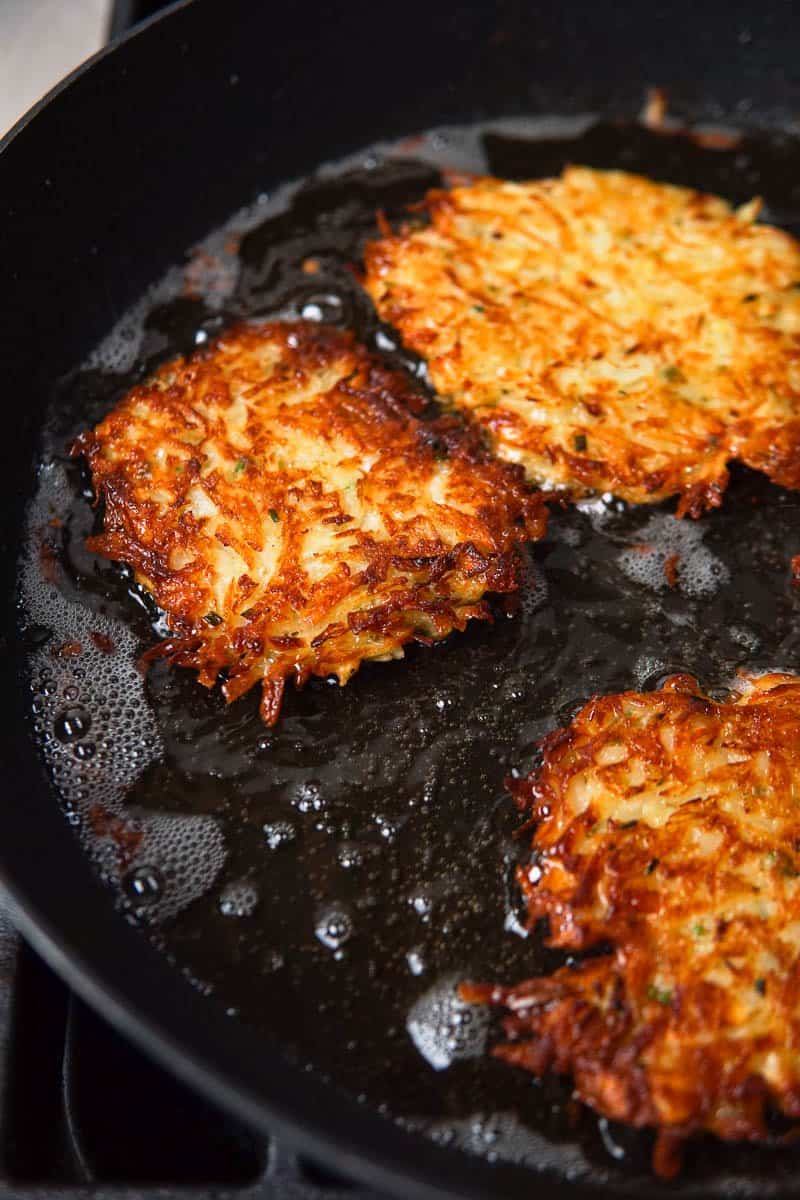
(612,334)
(669,828)
(280,497)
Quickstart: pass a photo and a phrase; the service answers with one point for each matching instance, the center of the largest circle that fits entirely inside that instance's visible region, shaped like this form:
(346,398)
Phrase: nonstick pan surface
(369,847)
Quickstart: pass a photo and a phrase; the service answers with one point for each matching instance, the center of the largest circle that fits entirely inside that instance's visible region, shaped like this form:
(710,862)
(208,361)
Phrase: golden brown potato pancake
(293,516)
(668,827)
(612,334)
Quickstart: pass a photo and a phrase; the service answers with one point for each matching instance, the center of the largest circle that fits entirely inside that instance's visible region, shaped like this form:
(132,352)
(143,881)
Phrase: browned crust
(420,574)
(692,1021)
(709,339)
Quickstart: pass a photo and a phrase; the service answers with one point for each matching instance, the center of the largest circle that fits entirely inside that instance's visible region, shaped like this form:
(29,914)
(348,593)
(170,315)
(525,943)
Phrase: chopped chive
(213,618)
(240,467)
(478,308)
(274,515)
(658,994)
(699,930)
(673,375)
(579,442)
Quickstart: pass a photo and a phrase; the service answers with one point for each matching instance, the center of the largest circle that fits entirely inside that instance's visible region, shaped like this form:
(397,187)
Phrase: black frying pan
(108,184)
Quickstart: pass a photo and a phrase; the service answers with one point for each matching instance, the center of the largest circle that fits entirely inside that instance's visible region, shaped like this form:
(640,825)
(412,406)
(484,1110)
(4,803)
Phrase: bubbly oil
(332,879)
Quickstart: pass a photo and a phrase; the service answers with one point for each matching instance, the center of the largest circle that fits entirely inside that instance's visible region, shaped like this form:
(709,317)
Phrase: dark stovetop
(82,1111)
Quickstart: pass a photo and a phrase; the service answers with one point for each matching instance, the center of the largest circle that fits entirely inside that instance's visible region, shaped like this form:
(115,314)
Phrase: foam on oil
(98,732)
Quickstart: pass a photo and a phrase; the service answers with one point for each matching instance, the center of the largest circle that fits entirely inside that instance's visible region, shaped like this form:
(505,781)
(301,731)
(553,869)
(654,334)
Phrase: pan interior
(331,879)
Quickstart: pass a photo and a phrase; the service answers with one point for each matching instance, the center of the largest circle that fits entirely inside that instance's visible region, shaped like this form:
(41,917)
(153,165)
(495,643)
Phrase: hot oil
(333,878)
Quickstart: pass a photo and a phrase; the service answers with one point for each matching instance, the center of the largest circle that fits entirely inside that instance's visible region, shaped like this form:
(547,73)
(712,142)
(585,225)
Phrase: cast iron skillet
(102,188)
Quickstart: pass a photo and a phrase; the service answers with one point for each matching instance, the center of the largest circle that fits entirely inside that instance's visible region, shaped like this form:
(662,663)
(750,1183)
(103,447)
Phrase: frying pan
(104,186)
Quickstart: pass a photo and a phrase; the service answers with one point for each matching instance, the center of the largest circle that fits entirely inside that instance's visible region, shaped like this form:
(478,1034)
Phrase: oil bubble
(612,1146)
(334,927)
(444,1028)
(238,899)
(144,884)
(422,904)
(307,797)
(71,724)
(279,833)
(503,1136)
(324,307)
(386,827)
(416,963)
(350,855)
(669,553)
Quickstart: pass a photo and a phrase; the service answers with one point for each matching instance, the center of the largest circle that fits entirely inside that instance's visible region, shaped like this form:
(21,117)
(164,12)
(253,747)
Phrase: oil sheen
(332,879)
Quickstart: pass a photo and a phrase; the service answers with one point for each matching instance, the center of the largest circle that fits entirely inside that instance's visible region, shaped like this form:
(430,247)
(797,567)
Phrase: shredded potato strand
(610,333)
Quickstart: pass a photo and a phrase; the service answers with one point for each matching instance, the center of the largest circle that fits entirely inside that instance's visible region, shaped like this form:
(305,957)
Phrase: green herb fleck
(240,467)
(761,986)
(478,308)
(651,866)
(579,442)
(273,513)
(212,618)
(749,298)
(662,996)
(699,930)
(673,375)
(440,453)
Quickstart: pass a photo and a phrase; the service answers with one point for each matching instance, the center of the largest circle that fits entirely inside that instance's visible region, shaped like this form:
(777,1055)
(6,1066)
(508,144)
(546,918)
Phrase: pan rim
(374,1150)
(82,68)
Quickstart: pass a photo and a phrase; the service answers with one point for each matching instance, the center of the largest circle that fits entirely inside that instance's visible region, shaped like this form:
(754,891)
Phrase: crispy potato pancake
(611,333)
(293,516)
(669,828)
